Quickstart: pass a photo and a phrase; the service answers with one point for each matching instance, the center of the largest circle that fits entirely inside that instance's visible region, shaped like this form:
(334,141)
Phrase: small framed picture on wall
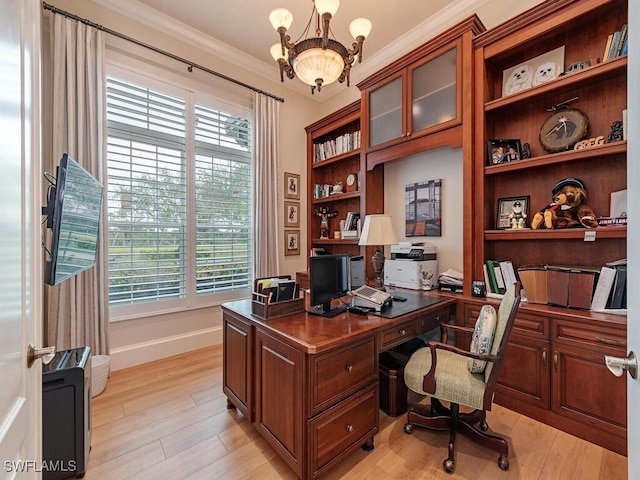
(292,242)
(291,214)
(292,186)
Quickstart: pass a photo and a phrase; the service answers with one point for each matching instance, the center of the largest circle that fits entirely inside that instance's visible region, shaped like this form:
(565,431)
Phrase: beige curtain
(76,309)
(266,121)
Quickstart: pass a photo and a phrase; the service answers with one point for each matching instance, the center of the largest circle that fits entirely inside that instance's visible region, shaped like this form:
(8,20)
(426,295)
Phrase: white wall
(443,163)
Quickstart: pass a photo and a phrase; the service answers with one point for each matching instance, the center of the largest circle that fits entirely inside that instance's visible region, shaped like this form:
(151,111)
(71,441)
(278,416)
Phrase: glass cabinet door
(385,112)
(433,92)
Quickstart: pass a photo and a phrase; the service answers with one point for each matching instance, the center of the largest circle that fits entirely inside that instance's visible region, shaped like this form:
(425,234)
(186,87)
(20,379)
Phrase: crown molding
(406,42)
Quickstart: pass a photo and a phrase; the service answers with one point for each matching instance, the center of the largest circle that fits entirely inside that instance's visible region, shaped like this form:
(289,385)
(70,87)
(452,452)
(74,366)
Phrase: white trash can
(99,372)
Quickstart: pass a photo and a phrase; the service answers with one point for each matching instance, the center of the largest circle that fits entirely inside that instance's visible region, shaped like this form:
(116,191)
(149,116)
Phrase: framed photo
(292,185)
(533,72)
(513,213)
(292,242)
(291,214)
(503,151)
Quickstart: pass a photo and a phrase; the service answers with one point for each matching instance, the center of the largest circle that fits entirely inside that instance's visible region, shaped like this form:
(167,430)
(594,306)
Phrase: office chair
(444,372)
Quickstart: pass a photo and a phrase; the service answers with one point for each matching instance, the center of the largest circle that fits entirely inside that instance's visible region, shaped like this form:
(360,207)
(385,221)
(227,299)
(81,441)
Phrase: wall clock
(563,129)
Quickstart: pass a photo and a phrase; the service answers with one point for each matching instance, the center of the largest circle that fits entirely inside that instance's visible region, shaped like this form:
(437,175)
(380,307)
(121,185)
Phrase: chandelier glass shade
(318,60)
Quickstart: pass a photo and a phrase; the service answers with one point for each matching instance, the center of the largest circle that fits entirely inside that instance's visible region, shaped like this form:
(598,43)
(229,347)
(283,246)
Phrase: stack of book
(336,146)
(616,44)
(611,289)
(498,276)
(277,289)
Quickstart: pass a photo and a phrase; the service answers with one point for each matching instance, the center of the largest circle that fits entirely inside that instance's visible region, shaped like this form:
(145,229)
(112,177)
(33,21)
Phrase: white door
(20,257)
(633,236)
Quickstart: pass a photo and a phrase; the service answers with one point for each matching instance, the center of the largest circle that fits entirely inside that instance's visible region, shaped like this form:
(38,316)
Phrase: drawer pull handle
(349,368)
(607,341)
(402,332)
(544,358)
(349,428)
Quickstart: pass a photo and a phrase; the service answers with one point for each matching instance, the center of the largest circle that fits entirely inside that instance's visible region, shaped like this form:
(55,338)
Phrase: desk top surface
(316,334)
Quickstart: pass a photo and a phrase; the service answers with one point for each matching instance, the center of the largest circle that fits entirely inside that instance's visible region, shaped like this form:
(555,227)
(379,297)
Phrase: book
(486,279)
(603,288)
(508,273)
(618,297)
(607,48)
(623,38)
(286,290)
(614,44)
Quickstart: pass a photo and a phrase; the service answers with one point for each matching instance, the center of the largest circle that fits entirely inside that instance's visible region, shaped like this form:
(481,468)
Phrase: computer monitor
(328,279)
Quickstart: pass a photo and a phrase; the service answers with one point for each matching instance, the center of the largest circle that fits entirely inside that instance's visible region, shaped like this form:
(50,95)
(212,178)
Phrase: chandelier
(318,60)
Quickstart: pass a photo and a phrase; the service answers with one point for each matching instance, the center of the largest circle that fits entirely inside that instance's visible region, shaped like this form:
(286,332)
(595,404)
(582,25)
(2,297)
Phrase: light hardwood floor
(168,420)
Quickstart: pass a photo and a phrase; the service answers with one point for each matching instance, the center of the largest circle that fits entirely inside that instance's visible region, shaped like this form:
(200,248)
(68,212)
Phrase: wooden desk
(309,384)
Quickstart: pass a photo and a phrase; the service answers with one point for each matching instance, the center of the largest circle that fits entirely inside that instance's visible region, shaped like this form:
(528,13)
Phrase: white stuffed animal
(544,73)
(519,79)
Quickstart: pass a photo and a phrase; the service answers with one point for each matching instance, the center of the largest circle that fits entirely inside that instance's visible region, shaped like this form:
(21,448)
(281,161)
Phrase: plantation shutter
(223,200)
(147,199)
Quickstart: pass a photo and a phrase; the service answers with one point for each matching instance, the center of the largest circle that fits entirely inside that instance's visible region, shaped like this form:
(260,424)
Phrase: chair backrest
(506,318)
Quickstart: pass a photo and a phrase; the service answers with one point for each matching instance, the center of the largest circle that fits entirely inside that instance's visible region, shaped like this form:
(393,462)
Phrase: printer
(412,265)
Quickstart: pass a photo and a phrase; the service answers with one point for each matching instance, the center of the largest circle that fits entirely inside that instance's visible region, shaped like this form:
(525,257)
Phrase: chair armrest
(446,326)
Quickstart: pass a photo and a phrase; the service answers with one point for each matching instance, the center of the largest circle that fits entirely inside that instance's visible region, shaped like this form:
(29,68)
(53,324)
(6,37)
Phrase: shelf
(334,241)
(335,198)
(557,234)
(337,158)
(595,73)
(561,157)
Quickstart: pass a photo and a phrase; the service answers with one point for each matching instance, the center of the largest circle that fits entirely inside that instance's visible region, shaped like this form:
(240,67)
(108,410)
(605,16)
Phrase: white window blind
(179,196)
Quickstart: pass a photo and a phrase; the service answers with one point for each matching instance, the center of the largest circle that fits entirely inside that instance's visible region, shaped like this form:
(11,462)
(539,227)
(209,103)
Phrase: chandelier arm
(326,18)
(357,48)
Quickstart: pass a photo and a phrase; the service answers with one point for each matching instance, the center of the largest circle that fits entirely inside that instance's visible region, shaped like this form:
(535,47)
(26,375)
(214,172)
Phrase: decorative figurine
(517,216)
(615,134)
(324,215)
(526,151)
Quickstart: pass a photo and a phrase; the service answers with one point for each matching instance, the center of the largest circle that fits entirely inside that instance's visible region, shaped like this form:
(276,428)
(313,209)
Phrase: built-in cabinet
(600,91)
(420,101)
(554,371)
(334,155)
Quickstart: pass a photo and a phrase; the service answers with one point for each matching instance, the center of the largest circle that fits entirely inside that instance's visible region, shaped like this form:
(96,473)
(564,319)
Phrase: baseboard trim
(139,353)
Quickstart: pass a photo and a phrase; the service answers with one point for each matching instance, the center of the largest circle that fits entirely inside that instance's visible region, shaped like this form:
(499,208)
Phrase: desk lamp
(378,231)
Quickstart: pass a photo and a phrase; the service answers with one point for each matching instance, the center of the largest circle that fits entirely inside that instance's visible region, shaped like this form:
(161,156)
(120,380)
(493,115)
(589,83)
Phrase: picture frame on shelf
(291,214)
(291,242)
(292,186)
(512,213)
(503,151)
(533,72)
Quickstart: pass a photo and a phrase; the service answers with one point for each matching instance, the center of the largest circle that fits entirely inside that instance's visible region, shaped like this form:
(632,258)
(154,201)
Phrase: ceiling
(240,30)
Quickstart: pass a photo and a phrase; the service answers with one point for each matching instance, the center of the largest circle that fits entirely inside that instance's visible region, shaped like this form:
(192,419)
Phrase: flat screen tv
(73,210)
(328,279)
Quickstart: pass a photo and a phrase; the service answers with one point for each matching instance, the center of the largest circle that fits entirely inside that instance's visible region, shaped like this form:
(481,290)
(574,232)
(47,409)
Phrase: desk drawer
(603,339)
(339,373)
(398,334)
(343,428)
(433,320)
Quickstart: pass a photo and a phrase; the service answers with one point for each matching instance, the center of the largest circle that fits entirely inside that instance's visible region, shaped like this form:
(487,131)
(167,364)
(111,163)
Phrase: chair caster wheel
(448,465)
(484,426)
(408,428)
(503,462)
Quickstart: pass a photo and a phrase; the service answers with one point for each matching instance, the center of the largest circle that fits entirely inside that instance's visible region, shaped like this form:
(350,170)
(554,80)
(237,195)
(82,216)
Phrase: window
(179,196)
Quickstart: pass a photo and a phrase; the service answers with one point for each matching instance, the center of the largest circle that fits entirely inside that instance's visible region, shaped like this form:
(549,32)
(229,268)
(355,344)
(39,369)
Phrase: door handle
(46,354)
(618,365)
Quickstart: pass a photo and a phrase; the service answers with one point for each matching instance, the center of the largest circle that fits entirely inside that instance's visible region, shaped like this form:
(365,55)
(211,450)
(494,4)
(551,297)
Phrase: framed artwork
(423,209)
(291,214)
(533,72)
(292,242)
(503,151)
(292,185)
(513,213)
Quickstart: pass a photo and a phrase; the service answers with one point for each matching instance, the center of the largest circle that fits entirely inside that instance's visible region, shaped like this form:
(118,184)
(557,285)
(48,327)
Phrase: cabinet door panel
(385,113)
(525,372)
(237,369)
(586,391)
(434,92)
(279,397)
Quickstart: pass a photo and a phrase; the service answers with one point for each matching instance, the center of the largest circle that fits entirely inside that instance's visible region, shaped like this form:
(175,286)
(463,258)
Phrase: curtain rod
(191,65)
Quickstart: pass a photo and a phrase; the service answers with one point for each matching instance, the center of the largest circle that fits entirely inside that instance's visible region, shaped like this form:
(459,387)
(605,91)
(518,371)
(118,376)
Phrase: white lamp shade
(276,51)
(318,63)
(281,17)
(327,6)
(378,230)
(360,26)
